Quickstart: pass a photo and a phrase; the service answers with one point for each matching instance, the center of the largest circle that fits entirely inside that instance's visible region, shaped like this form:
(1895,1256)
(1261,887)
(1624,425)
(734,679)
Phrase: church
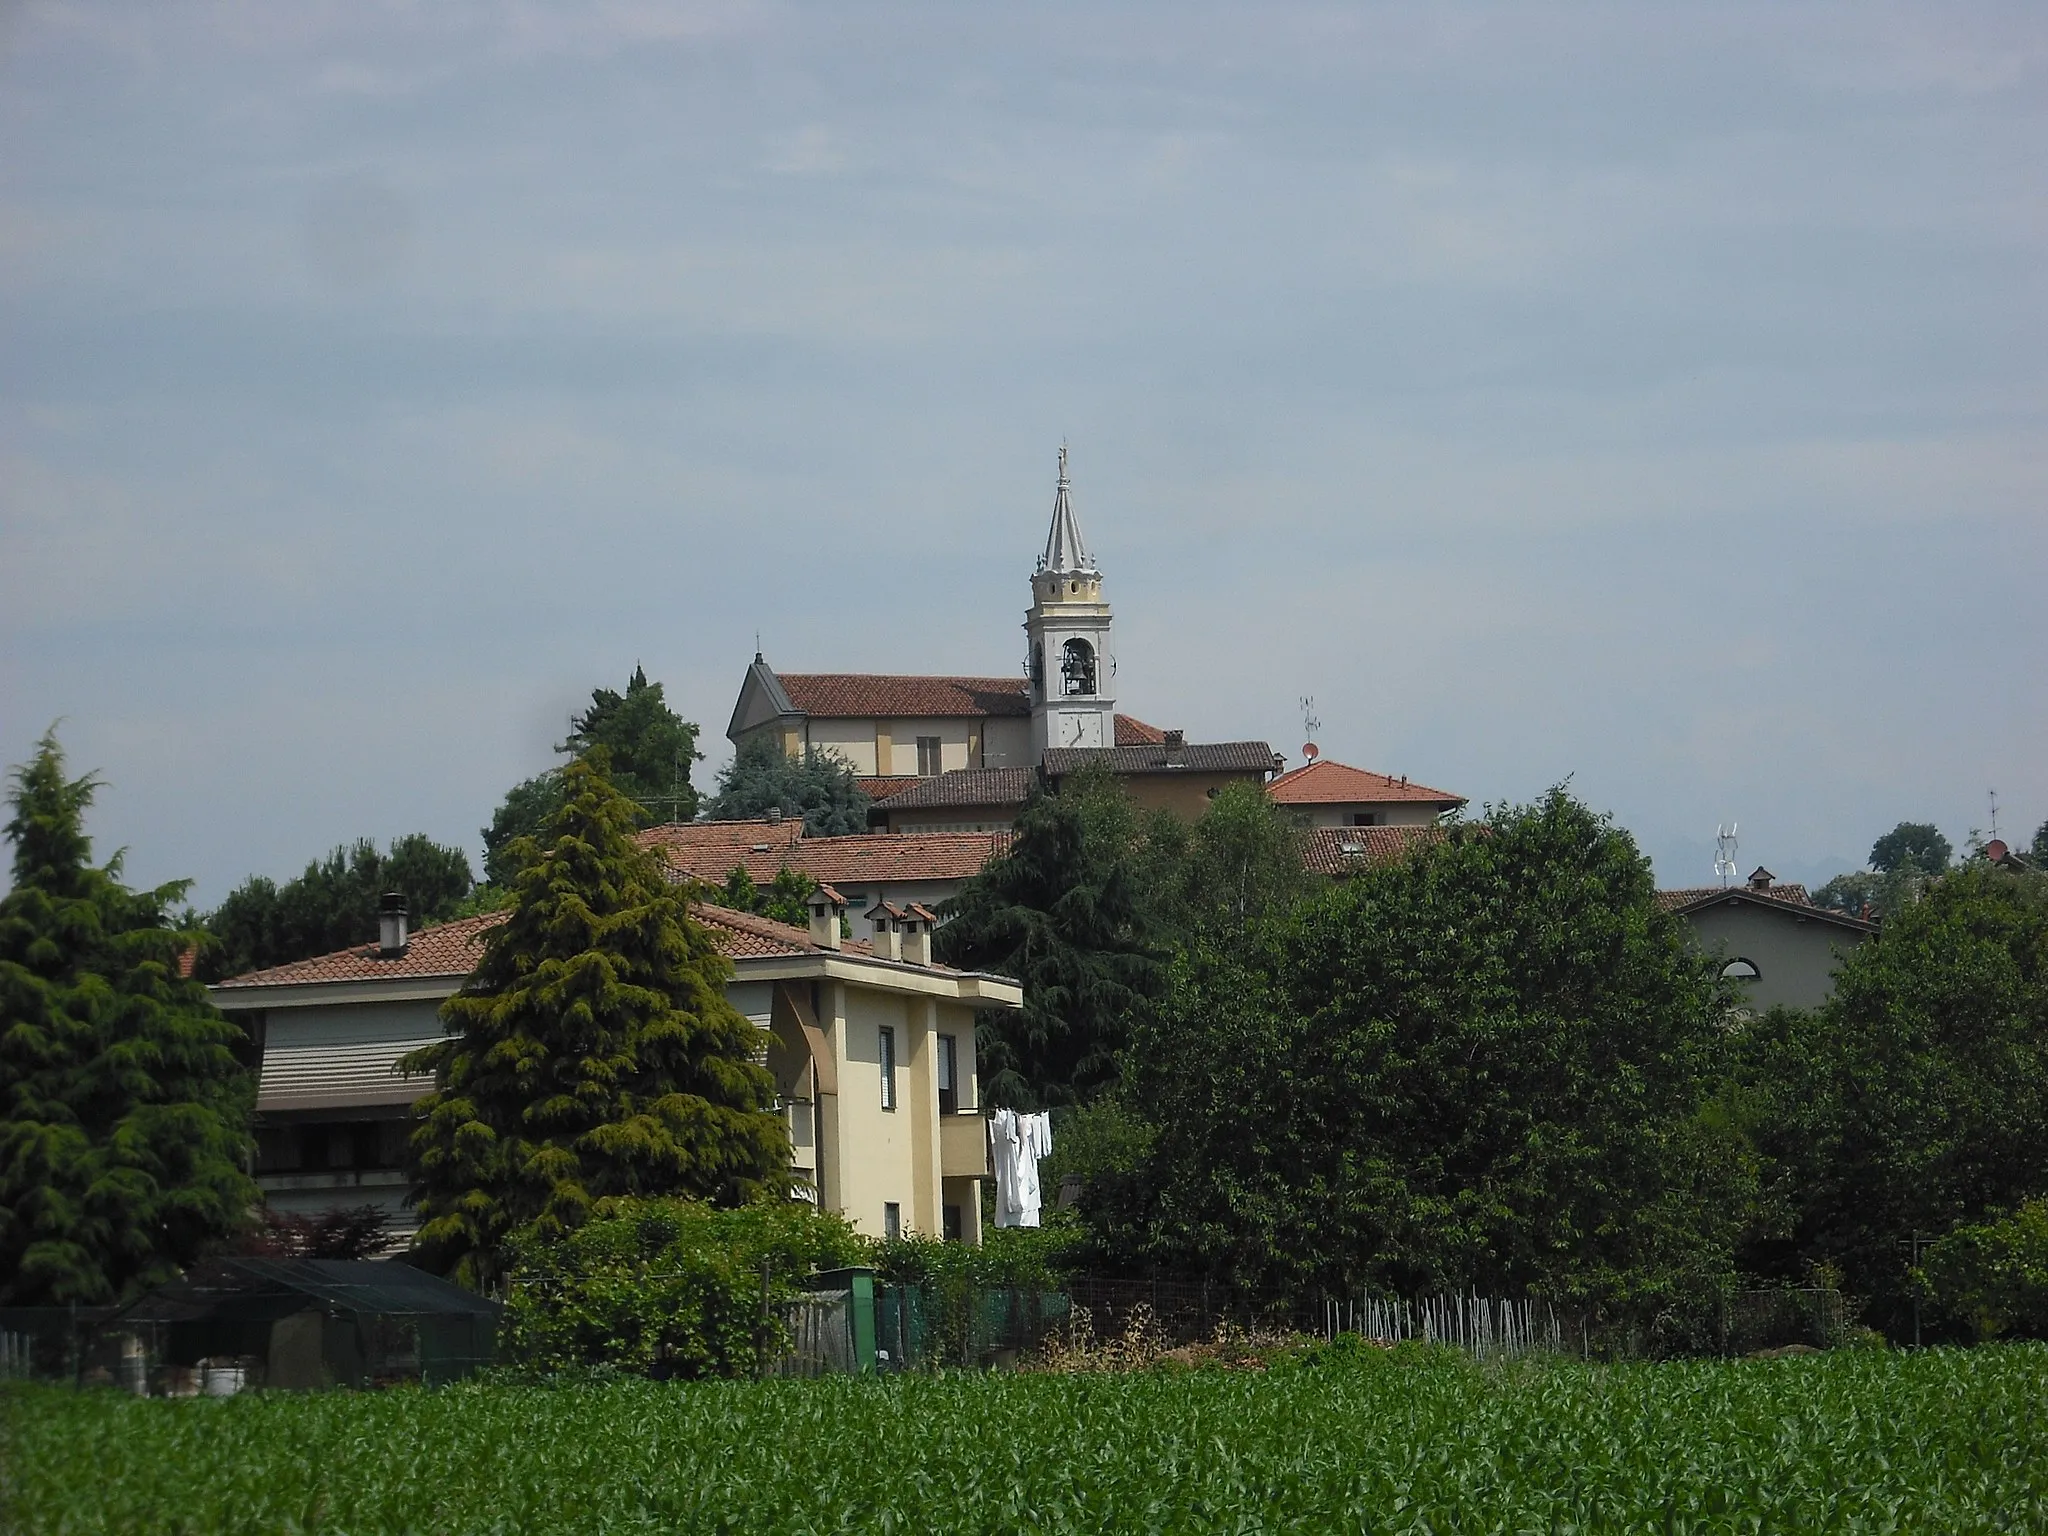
(961,754)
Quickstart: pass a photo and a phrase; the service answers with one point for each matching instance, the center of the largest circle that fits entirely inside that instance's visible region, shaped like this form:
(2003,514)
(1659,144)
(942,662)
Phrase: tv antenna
(1724,853)
(1992,796)
(1309,726)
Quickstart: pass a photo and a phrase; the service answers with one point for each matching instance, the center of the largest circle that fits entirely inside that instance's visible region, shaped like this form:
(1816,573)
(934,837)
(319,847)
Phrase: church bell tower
(1073,669)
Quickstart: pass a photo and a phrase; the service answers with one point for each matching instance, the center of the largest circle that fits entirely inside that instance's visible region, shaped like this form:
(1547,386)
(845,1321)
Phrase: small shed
(309,1323)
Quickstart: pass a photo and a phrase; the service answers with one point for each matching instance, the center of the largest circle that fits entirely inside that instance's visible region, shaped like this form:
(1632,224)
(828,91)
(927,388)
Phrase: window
(954,1225)
(1364,819)
(949,1082)
(888,1067)
(892,1220)
(1077,667)
(928,757)
(1741,970)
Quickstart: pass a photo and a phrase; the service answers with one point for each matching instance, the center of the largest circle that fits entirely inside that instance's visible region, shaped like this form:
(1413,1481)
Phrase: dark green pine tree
(1060,913)
(763,780)
(593,1054)
(123,1110)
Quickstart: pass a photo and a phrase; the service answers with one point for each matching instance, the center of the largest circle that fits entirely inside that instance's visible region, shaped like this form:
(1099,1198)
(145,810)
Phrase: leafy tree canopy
(2040,844)
(332,905)
(785,898)
(651,749)
(123,1111)
(1060,912)
(1911,845)
(762,779)
(592,1054)
(1485,1065)
(1239,863)
(1917,1096)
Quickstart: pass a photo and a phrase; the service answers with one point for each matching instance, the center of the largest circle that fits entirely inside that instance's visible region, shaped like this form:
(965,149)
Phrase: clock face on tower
(1081,731)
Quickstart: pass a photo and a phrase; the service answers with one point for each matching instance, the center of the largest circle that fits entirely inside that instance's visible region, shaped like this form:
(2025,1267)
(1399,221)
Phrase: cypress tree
(593,1054)
(123,1110)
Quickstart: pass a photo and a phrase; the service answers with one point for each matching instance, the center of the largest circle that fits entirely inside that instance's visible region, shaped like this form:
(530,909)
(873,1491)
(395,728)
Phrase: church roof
(873,696)
(1064,550)
(1324,782)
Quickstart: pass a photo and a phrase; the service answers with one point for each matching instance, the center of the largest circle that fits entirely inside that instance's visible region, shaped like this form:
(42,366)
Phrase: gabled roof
(1000,788)
(1195,757)
(1324,782)
(1671,901)
(1344,850)
(1132,732)
(705,846)
(1686,903)
(862,859)
(882,786)
(867,695)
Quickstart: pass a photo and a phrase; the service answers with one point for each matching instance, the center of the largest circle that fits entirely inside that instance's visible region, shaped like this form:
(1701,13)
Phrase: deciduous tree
(762,780)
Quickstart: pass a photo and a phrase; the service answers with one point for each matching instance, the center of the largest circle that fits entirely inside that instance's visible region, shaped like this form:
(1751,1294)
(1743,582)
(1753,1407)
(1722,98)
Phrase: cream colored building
(1330,794)
(871,1044)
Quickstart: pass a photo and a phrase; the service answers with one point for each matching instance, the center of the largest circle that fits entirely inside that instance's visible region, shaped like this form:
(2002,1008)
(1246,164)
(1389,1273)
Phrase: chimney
(1176,748)
(826,905)
(888,941)
(774,815)
(391,918)
(1760,879)
(918,923)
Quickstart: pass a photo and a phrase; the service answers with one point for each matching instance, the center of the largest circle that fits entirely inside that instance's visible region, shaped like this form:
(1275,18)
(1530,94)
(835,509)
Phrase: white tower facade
(1073,668)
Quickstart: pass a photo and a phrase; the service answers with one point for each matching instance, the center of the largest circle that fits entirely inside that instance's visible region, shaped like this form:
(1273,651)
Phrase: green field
(1943,1441)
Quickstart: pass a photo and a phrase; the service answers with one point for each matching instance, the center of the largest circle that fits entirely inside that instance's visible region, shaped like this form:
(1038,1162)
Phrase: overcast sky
(1651,395)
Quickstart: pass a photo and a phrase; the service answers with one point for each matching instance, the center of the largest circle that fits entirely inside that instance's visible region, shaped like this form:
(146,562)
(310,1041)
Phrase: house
(1332,794)
(1773,941)
(956,753)
(871,1044)
(1340,851)
(921,869)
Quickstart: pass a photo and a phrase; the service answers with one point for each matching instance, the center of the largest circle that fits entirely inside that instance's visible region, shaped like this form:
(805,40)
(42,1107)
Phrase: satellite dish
(1311,751)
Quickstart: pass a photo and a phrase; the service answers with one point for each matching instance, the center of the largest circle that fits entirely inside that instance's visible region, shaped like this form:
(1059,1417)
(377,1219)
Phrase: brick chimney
(1176,748)
(827,906)
(1761,880)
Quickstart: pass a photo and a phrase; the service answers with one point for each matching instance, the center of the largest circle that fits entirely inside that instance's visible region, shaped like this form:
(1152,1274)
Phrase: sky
(1645,397)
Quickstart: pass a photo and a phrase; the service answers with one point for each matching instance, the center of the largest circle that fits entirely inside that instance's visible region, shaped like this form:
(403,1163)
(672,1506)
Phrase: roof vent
(391,925)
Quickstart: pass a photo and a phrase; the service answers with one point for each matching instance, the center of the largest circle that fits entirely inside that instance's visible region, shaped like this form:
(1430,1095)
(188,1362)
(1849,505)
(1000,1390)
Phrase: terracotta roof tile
(1790,899)
(1324,782)
(1671,901)
(1195,757)
(882,786)
(711,848)
(863,695)
(1132,732)
(1343,850)
(1002,787)
(453,949)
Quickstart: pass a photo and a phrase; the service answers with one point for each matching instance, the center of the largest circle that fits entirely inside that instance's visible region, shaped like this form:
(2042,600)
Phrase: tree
(1238,864)
(1911,845)
(786,899)
(1485,1065)
(762,780)
(1060,913)
(2039,848)
(123,1111)
(593,1053)
(650,747)
(332,905)
(1916,1097)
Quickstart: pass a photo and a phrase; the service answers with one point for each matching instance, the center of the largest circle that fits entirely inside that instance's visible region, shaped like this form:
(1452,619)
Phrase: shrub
(1993,1277)
(669,1287)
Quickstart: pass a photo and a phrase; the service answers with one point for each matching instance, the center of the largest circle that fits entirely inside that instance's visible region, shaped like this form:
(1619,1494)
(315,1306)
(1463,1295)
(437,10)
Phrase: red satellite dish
(1309,751)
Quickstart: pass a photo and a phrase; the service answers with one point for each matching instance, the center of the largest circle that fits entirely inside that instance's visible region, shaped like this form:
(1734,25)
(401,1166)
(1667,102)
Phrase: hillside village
(947,763)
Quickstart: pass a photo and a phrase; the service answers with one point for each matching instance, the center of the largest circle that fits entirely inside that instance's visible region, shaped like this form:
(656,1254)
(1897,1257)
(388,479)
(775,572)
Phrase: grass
(1943,1441)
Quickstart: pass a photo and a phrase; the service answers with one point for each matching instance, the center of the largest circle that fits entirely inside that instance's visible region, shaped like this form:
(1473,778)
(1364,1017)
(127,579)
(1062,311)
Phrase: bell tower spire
(1073,669)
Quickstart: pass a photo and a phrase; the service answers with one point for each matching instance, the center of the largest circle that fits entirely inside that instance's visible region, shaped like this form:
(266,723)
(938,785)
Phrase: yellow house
(871,1044)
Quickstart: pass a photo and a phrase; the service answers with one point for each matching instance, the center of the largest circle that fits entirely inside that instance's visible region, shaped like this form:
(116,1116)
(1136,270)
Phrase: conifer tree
(123,1111)
(593,1054)
(1060,913)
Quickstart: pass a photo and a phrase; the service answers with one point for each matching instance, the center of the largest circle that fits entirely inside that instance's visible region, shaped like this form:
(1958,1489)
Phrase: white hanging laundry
(1016,1143)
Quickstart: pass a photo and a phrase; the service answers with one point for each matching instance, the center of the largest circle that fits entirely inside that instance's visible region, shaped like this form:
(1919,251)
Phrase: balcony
(963,1145)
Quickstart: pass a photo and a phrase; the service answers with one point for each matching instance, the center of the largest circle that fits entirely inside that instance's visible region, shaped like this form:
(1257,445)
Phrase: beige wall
(853,740)
(1391,813)
(1186,795)
(1795,957)
(955,740)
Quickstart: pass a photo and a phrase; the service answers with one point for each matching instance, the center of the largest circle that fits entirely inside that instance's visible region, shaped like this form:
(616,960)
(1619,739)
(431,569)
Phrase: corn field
(1327,1439)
